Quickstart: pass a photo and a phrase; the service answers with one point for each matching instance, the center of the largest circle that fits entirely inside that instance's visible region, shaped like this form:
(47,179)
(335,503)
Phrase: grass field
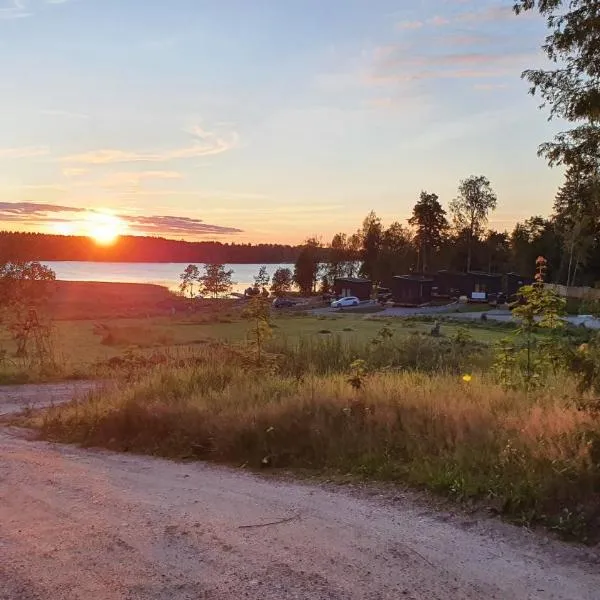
(78,344)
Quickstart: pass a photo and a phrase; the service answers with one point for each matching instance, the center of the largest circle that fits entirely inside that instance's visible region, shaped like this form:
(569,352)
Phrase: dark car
(283,303)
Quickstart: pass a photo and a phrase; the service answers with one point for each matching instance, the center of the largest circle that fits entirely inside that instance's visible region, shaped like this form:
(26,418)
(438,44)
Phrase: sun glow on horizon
(104,228)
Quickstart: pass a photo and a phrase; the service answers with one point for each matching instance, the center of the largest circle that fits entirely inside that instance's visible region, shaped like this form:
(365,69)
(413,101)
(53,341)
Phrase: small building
(412,290)
(475,285)
(353,286)
(483,285)
(450,284)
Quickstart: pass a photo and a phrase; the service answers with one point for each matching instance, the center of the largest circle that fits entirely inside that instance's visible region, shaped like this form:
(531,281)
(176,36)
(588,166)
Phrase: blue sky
(264,120)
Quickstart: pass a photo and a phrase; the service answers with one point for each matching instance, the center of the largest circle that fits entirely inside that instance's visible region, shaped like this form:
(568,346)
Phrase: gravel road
(92,524)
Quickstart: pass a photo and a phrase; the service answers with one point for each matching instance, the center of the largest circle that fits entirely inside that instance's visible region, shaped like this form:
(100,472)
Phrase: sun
(104,228)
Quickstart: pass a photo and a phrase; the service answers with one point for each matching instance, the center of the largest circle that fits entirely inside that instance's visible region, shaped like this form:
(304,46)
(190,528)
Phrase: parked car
(347,301)
(283,303)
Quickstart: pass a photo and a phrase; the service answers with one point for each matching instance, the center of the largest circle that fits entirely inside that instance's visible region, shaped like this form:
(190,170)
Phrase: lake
(166,274)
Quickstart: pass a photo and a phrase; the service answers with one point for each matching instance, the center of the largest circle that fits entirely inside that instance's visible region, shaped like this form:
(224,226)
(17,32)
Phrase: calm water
(166,274)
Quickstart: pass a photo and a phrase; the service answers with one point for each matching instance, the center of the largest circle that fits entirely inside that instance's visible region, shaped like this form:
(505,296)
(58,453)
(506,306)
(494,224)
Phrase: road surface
(90,524)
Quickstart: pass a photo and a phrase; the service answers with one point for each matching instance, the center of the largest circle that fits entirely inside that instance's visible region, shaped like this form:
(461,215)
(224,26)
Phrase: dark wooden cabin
(453,284)
(450,284)
(353,286)
(489,284)
(411,290)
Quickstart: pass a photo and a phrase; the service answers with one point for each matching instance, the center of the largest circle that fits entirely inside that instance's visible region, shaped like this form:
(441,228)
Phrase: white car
(347,301)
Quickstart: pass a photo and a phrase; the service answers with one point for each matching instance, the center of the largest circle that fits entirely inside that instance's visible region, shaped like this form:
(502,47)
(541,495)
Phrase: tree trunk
(469,250)
(570,263)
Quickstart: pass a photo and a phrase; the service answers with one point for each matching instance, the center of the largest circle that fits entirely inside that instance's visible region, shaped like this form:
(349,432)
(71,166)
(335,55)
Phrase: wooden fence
(578,293)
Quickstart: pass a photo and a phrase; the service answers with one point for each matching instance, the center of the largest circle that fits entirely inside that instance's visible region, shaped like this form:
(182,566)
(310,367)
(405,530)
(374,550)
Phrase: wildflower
(467,378)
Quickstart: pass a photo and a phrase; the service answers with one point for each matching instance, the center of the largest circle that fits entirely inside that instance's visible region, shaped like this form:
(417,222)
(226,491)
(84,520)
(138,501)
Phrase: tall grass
(417,352)
(534,456)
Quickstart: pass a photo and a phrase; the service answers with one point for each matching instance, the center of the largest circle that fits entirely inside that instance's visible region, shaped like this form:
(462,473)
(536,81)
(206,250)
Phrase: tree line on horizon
(457,239)
(24,246)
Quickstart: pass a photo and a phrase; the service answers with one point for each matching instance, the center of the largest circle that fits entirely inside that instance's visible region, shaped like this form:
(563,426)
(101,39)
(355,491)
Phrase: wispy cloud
(488,14)
(403,25)
(438,21)
(466,39)
(20,211)
(74,171)
(19,9)
(23,152)
(38,214)
(400,66)
(169,225)
(204,143)
(14,9)
(67,114)
(137,177)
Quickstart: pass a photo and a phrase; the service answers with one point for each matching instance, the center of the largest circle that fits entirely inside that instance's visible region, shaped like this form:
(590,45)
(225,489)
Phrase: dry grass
(533,457)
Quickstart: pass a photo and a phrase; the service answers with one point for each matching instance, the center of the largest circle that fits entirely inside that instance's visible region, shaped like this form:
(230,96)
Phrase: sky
(263,120)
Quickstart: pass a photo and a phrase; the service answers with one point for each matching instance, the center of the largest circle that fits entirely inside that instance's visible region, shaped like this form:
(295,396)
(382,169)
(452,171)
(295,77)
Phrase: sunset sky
(263,120)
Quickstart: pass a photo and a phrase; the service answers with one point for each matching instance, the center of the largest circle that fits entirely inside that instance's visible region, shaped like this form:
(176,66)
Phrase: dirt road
(78,524)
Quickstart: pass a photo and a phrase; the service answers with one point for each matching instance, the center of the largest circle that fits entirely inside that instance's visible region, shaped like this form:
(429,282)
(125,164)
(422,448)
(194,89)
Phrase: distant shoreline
(154,262)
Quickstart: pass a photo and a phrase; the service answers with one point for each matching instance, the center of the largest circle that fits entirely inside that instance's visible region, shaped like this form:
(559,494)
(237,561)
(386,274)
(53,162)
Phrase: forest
(457,239)
(18,246)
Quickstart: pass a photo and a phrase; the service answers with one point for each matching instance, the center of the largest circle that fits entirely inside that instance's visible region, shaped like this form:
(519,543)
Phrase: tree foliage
(470,209)
(572,89)
(216,280)
(397,252)
(261,280)
(577,221)
(189,278)
(306,270)
(258,313)
(25,288)
(371,236)
(24,285)
(430,225)
(282,281)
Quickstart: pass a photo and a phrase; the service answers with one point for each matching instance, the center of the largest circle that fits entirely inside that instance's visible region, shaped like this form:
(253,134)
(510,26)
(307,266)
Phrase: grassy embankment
(534,457)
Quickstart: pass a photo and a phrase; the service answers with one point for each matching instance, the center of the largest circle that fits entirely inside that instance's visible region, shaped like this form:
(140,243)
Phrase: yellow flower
(467,378)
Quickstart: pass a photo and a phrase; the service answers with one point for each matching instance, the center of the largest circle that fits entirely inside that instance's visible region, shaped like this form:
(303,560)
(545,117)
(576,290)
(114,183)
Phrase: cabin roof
(353,279)
(419,278)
